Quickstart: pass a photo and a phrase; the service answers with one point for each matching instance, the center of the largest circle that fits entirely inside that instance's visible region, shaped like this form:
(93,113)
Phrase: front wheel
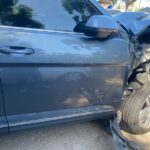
(136,109)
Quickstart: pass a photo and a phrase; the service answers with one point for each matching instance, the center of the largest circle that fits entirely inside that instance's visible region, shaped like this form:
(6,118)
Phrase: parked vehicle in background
(69,60)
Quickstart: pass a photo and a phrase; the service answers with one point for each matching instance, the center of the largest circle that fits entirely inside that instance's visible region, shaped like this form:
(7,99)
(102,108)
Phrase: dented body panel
(135,22)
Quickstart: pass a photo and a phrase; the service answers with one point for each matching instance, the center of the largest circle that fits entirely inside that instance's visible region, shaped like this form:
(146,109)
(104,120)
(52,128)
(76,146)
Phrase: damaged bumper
(121,142)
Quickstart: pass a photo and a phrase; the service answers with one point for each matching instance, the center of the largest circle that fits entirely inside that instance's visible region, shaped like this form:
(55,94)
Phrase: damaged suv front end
(135,108)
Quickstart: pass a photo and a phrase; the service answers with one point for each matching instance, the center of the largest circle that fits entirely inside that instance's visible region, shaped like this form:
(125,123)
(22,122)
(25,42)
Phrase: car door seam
(4,103)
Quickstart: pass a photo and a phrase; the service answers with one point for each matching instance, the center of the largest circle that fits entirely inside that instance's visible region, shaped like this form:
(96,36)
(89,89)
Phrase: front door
(45,67)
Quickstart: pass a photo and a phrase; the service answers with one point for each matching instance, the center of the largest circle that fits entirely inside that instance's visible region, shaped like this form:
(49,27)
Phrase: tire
(136,109)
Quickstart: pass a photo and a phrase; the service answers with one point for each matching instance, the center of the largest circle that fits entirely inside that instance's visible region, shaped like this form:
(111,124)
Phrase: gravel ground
(72,136)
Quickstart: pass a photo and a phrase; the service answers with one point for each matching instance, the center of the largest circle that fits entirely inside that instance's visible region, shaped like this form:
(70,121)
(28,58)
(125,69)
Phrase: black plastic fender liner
(120,140)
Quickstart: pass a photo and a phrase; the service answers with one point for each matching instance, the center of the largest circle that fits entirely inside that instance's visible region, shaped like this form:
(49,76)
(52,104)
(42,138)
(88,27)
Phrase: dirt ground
(70,136)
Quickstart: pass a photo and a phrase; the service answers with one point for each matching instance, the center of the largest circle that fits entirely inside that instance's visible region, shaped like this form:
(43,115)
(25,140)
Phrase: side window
(62,15)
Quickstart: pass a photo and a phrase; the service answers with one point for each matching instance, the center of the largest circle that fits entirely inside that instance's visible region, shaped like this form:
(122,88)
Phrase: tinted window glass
(44,14)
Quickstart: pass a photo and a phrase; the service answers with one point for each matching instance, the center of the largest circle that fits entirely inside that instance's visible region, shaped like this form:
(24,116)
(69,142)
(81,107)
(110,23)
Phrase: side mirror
(98,26)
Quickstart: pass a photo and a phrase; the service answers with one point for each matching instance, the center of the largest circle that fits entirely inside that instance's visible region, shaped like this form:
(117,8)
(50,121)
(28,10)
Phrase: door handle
(16,50)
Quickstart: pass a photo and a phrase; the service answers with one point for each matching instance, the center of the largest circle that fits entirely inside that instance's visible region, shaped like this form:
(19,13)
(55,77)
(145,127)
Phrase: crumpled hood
(135,22)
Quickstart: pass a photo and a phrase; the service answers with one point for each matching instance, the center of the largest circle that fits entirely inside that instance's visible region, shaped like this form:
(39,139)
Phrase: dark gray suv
(64,60)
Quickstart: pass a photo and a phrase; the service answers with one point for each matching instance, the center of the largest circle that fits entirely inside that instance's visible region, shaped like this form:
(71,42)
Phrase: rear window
(62,15)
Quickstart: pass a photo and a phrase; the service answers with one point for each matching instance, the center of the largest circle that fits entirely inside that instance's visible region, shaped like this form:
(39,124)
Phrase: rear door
(49,72)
